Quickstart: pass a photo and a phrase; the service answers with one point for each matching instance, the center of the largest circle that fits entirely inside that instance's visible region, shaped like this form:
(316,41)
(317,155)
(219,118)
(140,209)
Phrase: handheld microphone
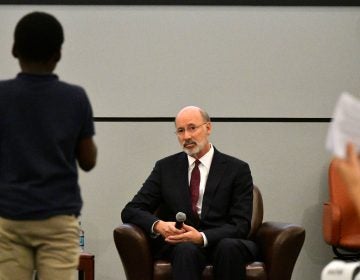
(180,219)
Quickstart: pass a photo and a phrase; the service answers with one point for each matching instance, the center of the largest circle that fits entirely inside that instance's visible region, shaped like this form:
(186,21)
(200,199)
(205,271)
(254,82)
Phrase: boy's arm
(86,153)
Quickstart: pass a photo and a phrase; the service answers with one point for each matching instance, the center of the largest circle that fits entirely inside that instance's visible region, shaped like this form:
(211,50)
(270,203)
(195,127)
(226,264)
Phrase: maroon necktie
(194,186)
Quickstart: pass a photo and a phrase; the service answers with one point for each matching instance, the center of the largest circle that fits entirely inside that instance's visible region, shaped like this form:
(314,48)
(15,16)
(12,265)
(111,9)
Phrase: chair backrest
(258,212)
(341,226)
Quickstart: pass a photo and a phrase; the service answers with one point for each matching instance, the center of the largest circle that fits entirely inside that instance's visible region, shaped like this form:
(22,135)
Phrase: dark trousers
(229,258)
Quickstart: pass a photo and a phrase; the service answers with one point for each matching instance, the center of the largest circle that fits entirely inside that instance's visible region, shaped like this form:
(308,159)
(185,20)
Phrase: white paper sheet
(345,125)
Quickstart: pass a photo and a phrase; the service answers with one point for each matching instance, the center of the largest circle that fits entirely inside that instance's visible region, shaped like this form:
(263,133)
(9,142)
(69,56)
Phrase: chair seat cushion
(254,271)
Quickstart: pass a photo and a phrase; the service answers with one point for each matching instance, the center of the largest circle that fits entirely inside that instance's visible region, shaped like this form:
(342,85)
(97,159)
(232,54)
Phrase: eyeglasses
(190,129)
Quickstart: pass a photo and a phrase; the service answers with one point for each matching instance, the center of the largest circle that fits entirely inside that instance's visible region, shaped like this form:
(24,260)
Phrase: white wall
(149,61)
(272,60)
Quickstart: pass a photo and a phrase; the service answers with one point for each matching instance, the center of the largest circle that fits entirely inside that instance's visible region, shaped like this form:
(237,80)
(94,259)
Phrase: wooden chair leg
(86,266)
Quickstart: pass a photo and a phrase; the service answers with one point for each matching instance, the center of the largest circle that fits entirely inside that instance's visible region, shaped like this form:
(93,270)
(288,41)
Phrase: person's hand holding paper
(345,126)
(344,141)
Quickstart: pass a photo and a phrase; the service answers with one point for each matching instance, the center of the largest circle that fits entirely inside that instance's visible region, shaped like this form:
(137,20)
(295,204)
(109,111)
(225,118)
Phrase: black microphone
(180,219)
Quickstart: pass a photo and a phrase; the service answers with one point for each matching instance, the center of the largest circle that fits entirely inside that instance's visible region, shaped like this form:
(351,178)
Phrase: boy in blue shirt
(46,130)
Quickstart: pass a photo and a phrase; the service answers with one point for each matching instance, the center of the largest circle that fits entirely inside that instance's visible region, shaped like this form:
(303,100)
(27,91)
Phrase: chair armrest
(280,245)
(134,250)
(331,223)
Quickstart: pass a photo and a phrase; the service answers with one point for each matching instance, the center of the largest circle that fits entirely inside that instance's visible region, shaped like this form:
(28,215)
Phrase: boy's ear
(57,56)
(14,52)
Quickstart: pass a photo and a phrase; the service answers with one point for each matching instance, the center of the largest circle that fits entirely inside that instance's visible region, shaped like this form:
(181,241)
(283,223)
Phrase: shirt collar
(36,77)
(205,159)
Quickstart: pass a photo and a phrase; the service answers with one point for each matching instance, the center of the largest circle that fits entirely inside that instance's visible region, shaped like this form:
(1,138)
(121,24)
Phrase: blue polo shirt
(42,120)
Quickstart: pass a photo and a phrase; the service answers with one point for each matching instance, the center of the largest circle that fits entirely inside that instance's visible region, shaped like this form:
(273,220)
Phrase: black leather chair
(280,245)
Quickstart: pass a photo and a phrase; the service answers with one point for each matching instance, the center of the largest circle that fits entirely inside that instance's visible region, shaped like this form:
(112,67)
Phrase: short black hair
(37,37)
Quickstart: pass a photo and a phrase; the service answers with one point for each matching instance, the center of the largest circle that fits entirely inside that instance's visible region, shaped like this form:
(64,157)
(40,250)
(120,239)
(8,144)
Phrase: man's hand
(188,234)
(166,229)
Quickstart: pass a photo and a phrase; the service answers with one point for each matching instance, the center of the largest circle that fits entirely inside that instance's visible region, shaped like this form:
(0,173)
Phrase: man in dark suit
(218,208)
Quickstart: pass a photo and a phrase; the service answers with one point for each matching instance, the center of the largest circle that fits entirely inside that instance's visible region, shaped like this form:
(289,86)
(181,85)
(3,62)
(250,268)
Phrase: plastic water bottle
(81,238)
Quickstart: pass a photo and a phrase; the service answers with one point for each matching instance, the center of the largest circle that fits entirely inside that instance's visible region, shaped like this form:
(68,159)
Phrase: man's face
(192,132)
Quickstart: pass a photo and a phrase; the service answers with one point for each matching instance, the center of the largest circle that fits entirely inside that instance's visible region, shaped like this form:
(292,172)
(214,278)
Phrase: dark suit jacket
(227,202)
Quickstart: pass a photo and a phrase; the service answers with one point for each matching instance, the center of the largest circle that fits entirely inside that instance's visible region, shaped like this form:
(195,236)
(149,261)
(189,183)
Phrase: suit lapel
(216,172)
(181,182)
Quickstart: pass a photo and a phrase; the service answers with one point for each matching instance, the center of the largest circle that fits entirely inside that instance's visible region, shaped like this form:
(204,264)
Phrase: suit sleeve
(140,209)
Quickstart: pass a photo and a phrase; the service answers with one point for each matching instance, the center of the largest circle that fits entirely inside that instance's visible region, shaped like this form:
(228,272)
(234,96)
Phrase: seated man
(214,190)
